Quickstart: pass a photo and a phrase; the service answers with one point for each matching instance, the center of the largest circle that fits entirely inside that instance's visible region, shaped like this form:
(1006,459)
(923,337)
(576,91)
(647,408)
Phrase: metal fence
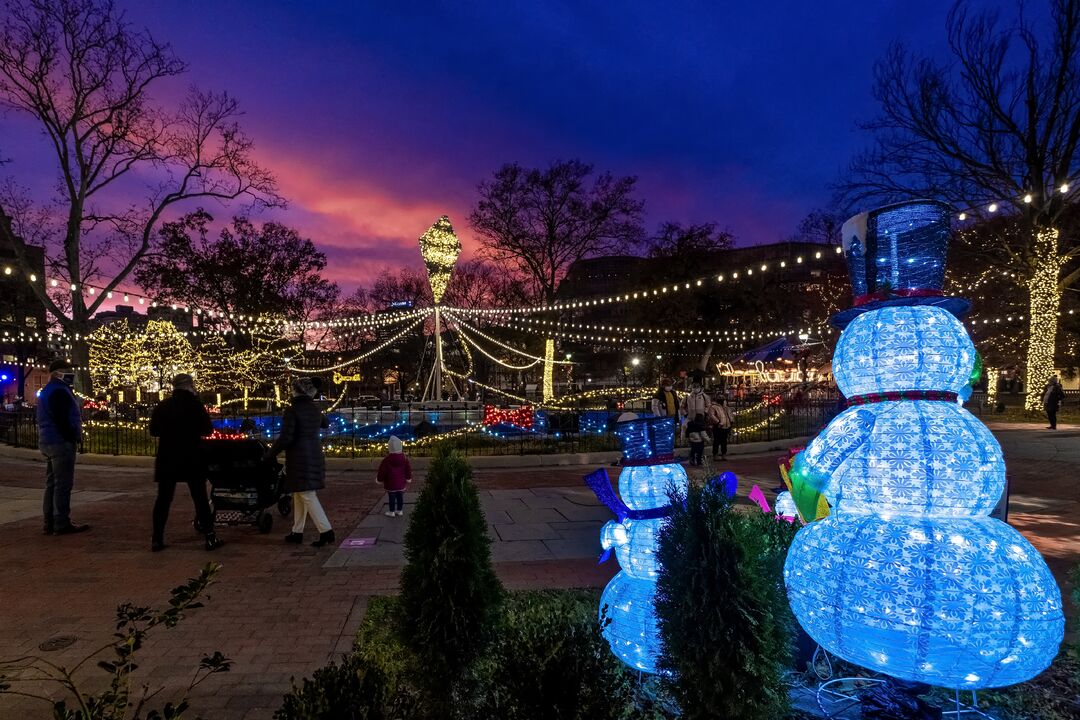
(363,432)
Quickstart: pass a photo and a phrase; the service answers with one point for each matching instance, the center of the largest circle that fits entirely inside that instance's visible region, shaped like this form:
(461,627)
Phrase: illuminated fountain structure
(909,575)
(649,473)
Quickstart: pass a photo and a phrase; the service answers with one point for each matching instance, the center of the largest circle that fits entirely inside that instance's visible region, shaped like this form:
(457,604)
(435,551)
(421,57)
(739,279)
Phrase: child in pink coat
(395,473)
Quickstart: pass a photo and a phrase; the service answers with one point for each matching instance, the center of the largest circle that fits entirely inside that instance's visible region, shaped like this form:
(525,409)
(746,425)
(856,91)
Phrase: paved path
(525,525)
(280,611)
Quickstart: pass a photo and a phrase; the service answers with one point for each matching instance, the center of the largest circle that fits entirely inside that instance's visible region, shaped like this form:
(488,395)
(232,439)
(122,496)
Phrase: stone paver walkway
(525,525)
(281,611)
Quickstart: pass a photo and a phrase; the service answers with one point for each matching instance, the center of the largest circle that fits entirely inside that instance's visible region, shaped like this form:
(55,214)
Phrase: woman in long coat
(305,465)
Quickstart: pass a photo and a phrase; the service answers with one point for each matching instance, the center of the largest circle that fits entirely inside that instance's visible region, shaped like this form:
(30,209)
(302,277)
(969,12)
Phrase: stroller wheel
(265,523)
(284,505)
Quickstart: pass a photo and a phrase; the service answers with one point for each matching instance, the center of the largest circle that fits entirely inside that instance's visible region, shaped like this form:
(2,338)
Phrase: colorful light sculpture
(908,575)
(522,417)
(649,475)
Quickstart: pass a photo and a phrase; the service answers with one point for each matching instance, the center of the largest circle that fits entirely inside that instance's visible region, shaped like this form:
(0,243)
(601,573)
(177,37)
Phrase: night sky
(380,116)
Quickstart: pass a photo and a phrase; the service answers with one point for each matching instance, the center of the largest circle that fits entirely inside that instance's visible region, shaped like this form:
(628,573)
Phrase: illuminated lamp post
(439,247)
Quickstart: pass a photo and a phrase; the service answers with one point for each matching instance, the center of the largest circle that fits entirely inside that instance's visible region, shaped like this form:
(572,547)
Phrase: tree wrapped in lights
(908,575)
(121,357)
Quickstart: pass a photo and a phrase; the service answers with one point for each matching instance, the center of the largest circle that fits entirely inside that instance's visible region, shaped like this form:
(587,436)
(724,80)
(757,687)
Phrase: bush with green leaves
(722,609)
(450,595)
(134,624)
(550,662)
(378,681)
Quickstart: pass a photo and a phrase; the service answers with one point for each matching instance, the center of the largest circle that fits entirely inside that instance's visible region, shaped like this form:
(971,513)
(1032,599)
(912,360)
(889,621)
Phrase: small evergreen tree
(450,595)
(722,609)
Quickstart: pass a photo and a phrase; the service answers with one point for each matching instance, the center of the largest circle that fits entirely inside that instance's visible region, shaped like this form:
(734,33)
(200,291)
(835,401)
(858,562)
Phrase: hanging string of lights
(358,358)
(539,326)
(477,331)
(728,333)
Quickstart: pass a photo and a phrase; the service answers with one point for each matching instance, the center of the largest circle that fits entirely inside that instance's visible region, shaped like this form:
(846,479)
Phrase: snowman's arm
(843,436)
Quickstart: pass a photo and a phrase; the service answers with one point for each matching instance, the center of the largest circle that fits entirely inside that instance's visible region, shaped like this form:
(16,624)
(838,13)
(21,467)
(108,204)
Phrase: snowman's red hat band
(871,398)
(889,294)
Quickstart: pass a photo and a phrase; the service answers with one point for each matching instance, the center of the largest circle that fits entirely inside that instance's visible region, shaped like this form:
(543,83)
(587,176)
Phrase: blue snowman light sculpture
(908,575)
(648,474)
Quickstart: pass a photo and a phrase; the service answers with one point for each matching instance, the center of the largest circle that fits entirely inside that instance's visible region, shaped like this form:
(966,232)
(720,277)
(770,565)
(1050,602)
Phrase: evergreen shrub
(722,608)
(450,595)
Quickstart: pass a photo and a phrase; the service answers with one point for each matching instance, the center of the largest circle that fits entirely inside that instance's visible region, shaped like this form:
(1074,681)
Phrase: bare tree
(84,75)
(995,129)
(542,221)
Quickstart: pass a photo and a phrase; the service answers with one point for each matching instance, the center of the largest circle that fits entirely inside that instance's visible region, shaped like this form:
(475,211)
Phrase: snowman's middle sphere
(903,348)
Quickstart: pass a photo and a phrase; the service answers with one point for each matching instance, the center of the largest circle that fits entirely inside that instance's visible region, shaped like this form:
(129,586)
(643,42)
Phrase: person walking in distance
(720,421)
(1052,399)
(180,422)
(305,465)
(59,433)
(395,473)
(694,404)
(665,403)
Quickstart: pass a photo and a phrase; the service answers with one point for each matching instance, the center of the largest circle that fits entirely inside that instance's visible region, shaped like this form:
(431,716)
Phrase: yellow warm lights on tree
(1045,294)
(549,366)
(440,247)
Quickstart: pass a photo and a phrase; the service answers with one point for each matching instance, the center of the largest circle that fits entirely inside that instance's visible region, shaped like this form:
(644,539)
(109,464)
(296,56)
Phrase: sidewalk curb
(479,462)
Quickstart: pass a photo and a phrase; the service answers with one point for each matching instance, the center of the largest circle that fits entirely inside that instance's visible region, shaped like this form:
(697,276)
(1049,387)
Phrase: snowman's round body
(909,575)
(628,599)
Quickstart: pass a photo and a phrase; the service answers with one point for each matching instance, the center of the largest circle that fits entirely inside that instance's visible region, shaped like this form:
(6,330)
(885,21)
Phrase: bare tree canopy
(247,269)
(997,128)
(673,239)
(85,76)
(542,221)
(1001,120)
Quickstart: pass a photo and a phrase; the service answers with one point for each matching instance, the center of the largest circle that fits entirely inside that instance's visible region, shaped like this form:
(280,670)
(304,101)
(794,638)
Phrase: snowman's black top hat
(646,441)
(896,256)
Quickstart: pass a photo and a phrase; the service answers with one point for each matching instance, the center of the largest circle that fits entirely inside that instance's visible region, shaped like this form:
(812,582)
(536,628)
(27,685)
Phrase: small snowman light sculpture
(649,473)
(908,575)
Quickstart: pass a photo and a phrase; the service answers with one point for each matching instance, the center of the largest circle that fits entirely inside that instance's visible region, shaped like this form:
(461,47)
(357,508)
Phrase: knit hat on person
(303,386)
(60,365)
(394,445)
(183,379)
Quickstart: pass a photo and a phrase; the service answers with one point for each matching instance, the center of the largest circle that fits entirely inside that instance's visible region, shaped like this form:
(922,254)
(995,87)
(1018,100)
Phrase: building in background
(23,325)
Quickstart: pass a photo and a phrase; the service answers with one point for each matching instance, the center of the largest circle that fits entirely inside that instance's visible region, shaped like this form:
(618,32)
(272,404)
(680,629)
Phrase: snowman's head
(903,348)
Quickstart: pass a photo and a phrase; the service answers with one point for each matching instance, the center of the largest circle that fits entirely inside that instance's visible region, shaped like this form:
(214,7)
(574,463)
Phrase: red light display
(521,417)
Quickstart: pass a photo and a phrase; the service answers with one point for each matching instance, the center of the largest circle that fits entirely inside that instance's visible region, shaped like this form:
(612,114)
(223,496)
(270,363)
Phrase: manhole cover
(57,643)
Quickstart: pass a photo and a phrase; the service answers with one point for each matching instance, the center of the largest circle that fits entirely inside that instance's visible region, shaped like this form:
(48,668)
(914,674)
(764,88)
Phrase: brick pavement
(279,613)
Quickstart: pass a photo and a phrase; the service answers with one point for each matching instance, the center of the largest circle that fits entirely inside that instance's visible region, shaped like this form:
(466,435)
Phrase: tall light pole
(440,248)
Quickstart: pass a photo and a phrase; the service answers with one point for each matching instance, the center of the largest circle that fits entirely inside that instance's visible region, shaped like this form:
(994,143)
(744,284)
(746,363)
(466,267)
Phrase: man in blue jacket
(59,434)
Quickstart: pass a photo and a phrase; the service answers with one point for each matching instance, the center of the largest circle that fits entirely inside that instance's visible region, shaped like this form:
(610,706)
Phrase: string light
(1045,301)
(369,353)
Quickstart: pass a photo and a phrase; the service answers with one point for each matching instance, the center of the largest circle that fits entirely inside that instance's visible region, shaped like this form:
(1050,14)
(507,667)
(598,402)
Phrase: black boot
(324,539)
(213,542)
(157,545)
(295,538)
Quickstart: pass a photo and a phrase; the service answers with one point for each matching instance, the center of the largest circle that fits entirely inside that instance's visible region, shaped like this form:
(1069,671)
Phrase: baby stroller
(243,486)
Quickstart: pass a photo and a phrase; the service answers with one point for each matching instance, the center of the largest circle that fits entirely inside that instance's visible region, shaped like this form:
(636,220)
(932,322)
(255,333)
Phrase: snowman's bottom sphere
(954,602)
(632,632)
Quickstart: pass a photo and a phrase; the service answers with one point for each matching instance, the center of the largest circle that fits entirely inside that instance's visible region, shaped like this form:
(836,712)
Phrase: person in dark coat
(180,422)
(1052,399)
(59,423)
(305,465)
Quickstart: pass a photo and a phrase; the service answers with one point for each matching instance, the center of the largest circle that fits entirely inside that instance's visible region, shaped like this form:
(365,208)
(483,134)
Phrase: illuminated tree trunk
(549,366)
(1045,298)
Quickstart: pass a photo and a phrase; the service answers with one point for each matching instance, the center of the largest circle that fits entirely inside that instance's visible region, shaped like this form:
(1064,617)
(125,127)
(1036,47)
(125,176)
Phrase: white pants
(304,503)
